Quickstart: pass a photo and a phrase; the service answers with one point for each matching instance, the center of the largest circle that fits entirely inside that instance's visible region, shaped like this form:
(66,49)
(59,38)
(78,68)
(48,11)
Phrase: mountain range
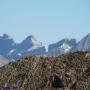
(30,46)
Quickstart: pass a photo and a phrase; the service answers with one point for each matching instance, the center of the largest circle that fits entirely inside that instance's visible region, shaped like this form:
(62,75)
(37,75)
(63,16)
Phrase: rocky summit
(28,47)
(69,71)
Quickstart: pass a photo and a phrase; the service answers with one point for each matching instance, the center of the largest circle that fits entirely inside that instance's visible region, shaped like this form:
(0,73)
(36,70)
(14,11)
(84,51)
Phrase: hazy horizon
(49,21)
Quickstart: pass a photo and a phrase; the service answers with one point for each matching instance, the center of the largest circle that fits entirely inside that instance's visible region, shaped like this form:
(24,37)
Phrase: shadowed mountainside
(33,73)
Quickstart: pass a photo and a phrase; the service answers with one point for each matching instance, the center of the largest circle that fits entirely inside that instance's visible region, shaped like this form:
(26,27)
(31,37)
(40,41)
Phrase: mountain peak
(6,36)
(88,35)
(83,44)
(32,40)
(31,36)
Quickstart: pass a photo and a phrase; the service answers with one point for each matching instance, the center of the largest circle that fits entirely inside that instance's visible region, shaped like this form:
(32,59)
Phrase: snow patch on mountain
(35,41)
(11,51)
(65,47)
(19,54)
(33,48)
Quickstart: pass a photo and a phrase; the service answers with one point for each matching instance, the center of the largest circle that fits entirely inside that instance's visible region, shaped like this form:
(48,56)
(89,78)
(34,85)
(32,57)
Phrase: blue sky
(47,20)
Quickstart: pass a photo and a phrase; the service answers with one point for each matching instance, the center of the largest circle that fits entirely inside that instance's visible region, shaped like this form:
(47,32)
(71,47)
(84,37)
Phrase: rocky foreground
(70,71)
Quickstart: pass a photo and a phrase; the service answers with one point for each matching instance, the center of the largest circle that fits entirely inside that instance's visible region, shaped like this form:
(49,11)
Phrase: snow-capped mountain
(65,47)
(13,51)
(31,46)
(61,47)
(30,43)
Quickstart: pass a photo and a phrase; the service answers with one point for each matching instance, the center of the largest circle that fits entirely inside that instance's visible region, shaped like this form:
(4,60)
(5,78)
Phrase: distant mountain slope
(61,47)
(33,73)
(30,43)
(3,61)
(30,46)
(83,44)
(14,51)
(6,44)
